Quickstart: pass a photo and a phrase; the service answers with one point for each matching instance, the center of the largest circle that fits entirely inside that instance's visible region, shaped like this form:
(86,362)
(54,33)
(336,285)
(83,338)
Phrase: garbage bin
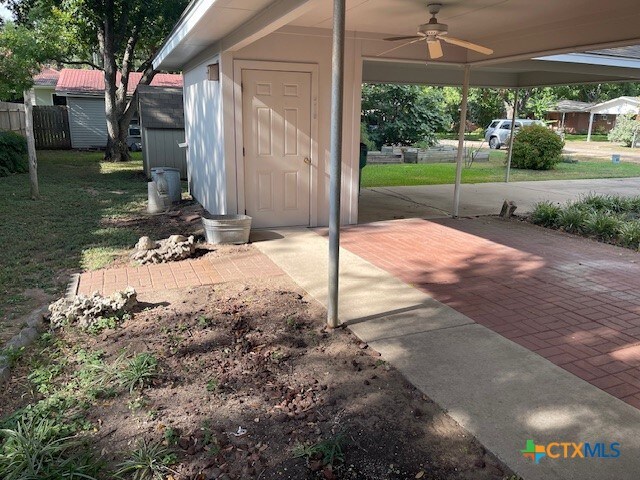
(363,162)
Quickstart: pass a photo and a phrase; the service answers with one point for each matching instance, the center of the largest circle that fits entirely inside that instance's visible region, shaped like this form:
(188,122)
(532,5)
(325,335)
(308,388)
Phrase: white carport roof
(517,30)
(516,74)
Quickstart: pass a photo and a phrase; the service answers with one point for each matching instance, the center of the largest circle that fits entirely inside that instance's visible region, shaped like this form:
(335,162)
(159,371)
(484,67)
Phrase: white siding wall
(204,136)
(43,96)
(87,122)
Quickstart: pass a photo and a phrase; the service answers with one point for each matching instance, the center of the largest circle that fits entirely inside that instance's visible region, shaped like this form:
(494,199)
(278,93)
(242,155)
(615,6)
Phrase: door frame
(238,67)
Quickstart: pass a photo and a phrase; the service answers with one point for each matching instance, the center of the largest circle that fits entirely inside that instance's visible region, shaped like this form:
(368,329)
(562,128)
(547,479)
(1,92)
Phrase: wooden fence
(12,118)
(51,127)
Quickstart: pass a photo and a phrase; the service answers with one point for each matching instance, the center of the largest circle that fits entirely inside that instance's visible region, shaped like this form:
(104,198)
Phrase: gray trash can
(173,180)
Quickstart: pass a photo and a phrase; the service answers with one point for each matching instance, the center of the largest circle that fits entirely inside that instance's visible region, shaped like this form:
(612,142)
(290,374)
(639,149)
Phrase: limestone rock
(145,243)
(172,249)
(87,310)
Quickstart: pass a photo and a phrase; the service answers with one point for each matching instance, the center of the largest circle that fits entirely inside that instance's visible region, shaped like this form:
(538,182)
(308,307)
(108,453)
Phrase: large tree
(403,114)
(115,36)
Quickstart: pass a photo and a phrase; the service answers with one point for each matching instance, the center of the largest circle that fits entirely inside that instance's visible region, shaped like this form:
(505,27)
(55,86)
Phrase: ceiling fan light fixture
(432,32)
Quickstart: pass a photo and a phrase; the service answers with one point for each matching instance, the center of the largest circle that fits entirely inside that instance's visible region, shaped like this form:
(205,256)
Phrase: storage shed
(162,128)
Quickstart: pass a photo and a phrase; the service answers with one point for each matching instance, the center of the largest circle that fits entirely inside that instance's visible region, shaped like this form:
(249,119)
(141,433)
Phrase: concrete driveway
(432,201)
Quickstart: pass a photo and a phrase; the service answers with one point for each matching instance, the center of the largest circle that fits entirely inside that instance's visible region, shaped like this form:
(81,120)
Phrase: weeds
(212,385)
(139,372)
(147,461)
(12,354)
(107,323)
(34,449)
(171,436)
(330,451)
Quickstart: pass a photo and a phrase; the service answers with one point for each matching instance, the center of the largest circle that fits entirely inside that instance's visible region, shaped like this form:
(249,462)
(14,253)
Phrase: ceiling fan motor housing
(432,29)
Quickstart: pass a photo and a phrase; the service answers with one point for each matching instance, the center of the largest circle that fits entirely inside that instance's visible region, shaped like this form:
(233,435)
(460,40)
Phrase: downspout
(337,81)
(511,137)
(463,123)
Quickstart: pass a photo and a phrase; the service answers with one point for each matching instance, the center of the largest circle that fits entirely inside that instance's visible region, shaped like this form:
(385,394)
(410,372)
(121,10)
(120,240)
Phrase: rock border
(26,336)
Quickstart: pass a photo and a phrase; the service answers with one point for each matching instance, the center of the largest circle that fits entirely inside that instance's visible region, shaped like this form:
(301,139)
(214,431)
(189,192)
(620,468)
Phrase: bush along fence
(12,118)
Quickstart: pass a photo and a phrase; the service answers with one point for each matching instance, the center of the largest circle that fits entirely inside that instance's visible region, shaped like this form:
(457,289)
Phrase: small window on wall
(58,100)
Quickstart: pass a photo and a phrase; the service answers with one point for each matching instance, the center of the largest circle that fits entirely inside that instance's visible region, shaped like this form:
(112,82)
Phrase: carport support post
(337,80)
(590,126)
(513,128)
(463,124)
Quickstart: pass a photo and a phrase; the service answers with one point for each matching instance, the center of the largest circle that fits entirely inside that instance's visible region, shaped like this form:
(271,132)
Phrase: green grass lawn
(492,171)
(75,225)
(595,137)
(454,136)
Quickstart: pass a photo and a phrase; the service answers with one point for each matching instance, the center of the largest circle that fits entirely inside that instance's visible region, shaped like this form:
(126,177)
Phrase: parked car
(134,139)
(499,130)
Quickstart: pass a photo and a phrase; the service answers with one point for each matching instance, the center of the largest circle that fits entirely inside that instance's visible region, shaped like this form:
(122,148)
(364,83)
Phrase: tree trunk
(31,147)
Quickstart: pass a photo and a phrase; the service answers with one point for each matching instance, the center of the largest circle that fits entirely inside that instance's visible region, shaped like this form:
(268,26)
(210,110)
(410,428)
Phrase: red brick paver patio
(187,273)
(573,301)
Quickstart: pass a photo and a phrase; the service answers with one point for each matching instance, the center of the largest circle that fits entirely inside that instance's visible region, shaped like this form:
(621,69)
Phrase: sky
(4,13)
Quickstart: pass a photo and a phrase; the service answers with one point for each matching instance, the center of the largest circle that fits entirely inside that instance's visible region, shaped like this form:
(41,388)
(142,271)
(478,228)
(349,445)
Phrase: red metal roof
(92,81)
(47,77)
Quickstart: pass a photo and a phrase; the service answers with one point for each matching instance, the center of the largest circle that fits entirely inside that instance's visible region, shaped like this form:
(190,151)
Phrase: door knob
(307,160)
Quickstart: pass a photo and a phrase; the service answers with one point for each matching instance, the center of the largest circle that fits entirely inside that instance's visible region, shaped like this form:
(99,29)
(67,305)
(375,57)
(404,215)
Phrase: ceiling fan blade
(395,39)
(465,44)
(399,46)
(435,48)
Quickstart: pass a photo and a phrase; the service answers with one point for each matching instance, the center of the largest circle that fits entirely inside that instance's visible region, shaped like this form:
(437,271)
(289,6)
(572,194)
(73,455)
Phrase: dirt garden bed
(234,381)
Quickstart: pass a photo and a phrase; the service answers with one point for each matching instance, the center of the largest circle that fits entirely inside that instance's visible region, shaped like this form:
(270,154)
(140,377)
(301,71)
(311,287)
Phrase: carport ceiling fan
(432,32)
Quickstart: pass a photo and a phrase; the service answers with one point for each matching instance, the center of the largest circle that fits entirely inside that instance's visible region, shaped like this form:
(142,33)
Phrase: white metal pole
(337,81)
(463,122)
(513,134)
(590,126)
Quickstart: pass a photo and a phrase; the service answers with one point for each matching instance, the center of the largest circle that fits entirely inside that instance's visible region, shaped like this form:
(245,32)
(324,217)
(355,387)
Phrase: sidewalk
(501,392)
(188,273)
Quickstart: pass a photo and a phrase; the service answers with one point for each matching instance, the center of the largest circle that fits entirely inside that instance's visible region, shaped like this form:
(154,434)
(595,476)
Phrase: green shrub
(629,234)
(603,225)
(13,154)
(546,214)
(625,130)
(605,203)
(573,219)
(536,148)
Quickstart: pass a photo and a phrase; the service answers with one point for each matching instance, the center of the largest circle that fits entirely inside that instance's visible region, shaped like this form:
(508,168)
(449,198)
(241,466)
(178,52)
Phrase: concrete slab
(432,201)
(501,392)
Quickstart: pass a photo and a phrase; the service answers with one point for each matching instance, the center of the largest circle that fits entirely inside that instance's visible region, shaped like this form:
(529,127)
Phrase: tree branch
(77,62)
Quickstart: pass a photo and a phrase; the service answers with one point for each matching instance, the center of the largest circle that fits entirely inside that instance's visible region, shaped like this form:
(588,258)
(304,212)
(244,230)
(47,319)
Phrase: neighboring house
(161,113)
(609,111)
(44,88)
(258,87)
(572,116)
(581,117)
(84,93)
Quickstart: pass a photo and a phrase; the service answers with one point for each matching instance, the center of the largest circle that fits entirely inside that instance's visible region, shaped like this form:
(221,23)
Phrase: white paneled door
(276,115)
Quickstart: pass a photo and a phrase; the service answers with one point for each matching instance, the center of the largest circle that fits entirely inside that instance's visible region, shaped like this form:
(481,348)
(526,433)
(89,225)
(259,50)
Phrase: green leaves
(626,130)
(403,114)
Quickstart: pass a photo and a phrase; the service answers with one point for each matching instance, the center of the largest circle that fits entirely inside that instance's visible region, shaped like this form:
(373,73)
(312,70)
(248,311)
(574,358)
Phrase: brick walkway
(571,300)
(187,273)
